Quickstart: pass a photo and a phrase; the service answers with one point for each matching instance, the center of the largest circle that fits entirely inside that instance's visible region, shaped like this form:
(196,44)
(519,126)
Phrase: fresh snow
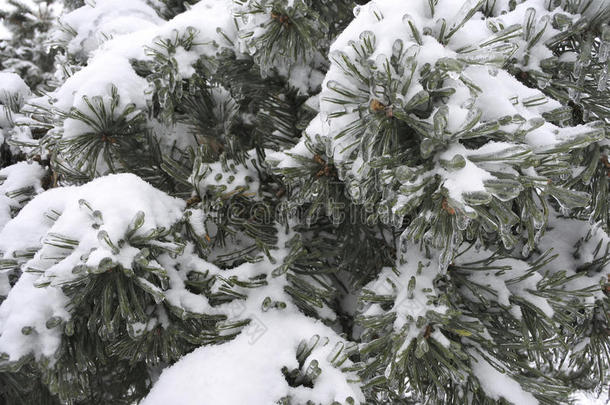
(16,181)
(110,35)
(109,64)
(247,370)
(95,23)
(11,85)
(499,385)
(65,211)
(482,86)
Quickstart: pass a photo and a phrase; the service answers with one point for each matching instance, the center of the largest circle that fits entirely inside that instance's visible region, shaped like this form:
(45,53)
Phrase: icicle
(374,11)
(428,237)
(444,259)
(397,49)
(466,11)
(603,78)
(462,221)
(355,192)
(543,82)
(396,220)
(578,65)
(456,240)
(525,252)
(574,94)
(538,220)
(529,22)
(507,238)
(584,59)
(403,242)
(415,34)
(367,39)
(604,47)
(604,57)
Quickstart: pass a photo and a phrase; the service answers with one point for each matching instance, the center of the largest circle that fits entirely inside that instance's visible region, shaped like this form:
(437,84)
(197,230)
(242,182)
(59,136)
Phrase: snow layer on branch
(575,249)
(254,18)
(228,177)
(17,183)
(248,371)
(118,197)
(30,307)
(262,348)
(87,27)
(97,79)
(11,85)
(400,41)
(110,64)
(506,277)
(67,216)
(498,385)
(412,283)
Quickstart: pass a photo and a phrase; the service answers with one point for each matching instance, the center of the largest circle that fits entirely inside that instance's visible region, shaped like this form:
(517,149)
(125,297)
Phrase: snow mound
(18,183)
(407,44)
(11,85)
(110,63)
(87,27)
(60,229)
(248,370)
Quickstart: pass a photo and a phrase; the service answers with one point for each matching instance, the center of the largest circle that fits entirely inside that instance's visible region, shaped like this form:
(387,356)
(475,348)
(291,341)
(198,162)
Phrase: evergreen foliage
(304,202)
(27,52)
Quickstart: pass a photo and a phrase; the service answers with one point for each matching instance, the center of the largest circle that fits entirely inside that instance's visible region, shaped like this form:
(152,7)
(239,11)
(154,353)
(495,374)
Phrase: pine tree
(305,202)
(26,52)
